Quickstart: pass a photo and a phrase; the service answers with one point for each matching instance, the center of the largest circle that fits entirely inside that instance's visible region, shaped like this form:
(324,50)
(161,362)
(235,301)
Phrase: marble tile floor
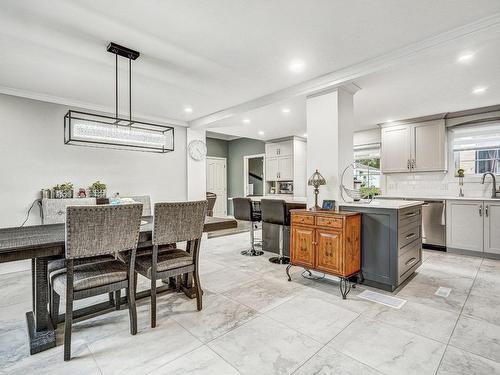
(255,322)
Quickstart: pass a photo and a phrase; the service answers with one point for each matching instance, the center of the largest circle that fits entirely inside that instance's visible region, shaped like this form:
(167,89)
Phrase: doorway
(254,175)
(217,183)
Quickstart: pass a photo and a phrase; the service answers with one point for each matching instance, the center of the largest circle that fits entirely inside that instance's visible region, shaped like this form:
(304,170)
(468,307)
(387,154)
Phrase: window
(367,171)
(476,148)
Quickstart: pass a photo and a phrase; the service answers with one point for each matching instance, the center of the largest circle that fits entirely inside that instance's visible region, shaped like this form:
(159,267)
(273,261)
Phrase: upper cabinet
(284,148)
(419,147)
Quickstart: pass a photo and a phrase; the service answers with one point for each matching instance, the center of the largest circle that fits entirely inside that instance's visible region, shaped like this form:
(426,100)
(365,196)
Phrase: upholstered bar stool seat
(245,210)
(274,211)
(93,275)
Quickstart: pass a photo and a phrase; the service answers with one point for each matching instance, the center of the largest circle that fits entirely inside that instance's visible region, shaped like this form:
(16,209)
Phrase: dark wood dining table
(42,243)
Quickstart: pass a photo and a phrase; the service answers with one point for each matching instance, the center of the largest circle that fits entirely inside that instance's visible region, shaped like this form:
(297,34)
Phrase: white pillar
(330,121)
(196,169)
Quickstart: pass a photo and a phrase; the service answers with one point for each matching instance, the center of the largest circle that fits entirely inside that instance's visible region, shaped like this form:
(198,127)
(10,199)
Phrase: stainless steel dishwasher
(434,224)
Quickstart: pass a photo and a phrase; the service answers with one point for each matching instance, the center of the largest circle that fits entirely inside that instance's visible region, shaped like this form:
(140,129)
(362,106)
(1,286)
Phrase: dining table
(42,243)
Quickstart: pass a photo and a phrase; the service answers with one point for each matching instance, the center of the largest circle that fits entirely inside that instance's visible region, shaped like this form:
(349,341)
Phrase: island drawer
(332,222)
(303,219)
(407,235)
(409,259)
(410,215)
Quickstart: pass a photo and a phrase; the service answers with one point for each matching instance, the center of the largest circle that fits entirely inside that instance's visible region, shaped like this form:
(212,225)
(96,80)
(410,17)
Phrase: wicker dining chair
(172,223)
(92,231)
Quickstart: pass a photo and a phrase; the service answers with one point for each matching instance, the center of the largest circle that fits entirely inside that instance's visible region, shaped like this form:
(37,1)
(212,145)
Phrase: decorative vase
(63,194)
(97,193)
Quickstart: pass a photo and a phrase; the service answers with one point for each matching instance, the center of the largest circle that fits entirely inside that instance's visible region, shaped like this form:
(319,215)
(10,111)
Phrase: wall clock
(197,149)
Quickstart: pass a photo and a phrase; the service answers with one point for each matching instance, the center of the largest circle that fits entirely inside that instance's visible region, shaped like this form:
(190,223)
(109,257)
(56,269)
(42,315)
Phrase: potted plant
(63,190)
(97,190)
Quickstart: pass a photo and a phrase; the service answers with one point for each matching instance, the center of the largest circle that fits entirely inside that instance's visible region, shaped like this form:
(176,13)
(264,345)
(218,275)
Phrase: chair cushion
(167,260)
(92,275)
(58,266)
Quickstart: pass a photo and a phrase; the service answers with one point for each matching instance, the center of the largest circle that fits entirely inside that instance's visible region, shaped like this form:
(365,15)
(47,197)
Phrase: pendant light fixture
(88,129)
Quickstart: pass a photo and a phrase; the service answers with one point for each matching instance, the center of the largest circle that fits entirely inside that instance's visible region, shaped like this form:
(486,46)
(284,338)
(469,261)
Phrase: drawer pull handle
(411,235)
(410,214)
(411,260)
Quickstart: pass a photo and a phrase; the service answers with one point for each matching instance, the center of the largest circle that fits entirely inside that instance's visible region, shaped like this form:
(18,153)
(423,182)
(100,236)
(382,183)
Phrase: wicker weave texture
(176,222)
(103,229)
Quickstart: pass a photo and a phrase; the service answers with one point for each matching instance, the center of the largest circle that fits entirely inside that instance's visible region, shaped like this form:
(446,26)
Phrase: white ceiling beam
(346,75)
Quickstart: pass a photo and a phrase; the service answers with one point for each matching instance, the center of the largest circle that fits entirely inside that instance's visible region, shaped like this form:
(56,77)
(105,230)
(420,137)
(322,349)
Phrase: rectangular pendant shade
(87,129)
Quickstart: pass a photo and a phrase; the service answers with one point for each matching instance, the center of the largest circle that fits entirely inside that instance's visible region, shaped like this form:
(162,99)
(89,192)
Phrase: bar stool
(274,211)
(244,210)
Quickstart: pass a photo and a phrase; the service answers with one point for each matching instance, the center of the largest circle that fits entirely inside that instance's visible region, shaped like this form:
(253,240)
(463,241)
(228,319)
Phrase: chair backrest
(242,209)
(146,203)
(273,211)
(179,221)
(54,210)
(211,198)
(102,229)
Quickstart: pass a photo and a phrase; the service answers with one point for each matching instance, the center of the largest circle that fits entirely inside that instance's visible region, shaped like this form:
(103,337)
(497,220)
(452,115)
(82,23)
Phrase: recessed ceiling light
(246,120)
(465,57)
(261,132)
(188,109)
(285,110)
(296,66)
(479,90)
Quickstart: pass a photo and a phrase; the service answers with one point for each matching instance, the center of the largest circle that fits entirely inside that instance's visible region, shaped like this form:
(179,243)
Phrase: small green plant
(460,173)
(98,186)
(67,186)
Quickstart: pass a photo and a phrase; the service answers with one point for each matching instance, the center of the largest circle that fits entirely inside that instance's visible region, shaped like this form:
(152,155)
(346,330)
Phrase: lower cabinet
(473,226)
(326,242)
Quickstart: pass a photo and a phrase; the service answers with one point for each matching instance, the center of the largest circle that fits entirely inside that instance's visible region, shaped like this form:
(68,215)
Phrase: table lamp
(316,180)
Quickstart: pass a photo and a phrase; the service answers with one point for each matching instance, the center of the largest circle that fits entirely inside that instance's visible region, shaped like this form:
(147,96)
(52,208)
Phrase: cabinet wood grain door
(302,251)
(429,147)
(395,151)
(329,250)
(464,225)
(492,227)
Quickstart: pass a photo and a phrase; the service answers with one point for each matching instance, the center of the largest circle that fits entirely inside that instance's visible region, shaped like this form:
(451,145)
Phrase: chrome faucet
(494,190)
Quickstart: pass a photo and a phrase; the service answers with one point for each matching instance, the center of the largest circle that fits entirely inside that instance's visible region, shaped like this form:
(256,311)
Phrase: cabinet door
(271,169)
(302,246)
(285,168)
(464,225)
(429,146)
(329,246)
(492,227)
(272,150)
(285,148)
(395,150)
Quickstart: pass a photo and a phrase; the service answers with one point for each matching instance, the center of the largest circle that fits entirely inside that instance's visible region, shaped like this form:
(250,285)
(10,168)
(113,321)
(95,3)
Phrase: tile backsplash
(434,184)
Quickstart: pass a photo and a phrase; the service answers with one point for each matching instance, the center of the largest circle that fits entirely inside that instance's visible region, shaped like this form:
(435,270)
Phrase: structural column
(196,169)
(330,122)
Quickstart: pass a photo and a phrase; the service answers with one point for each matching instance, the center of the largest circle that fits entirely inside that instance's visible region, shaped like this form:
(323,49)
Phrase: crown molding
(346,75)
(83,105)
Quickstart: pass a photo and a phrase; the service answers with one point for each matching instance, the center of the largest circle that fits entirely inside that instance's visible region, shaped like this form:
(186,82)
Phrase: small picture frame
(328,204)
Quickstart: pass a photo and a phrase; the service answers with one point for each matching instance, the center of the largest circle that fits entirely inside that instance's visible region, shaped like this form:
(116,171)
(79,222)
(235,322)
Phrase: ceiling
(211,55)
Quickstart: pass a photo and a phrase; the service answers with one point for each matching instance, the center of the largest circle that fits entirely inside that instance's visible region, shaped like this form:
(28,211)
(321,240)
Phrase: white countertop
(435,197)
(383,203)
(288,199)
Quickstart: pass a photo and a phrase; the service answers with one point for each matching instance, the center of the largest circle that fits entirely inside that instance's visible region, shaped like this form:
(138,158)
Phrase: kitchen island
(391,240)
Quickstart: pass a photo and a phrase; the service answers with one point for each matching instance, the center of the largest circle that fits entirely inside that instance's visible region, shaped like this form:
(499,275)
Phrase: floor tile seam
(234,328)
(224,359)
(93,358)
(478,355)
(260,312)
(176,358)
(459,316)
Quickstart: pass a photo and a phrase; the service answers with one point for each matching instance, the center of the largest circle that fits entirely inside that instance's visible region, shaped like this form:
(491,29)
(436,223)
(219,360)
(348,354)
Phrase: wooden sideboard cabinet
(328,242)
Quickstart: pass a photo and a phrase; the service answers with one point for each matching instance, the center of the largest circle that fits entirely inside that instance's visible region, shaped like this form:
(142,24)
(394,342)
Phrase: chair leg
(197,286)
(153,302)
(132,310)
(118,297)
(67,327)
(54,307)
(111,298)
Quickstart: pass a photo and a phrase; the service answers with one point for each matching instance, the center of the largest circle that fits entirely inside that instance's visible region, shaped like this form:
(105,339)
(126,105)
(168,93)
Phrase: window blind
(476,137)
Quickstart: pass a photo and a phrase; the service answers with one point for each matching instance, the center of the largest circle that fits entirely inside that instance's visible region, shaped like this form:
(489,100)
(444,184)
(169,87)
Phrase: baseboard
(477,254)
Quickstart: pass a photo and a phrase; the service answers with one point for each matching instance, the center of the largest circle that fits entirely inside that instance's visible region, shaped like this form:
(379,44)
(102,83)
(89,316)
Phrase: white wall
(196,169)
(33,156)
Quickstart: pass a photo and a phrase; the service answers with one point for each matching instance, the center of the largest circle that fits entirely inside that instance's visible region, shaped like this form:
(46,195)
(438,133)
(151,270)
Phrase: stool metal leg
(281,259)
(252,251)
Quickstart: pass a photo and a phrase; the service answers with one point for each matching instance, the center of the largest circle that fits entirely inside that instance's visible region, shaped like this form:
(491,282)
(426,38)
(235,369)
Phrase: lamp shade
(316,180)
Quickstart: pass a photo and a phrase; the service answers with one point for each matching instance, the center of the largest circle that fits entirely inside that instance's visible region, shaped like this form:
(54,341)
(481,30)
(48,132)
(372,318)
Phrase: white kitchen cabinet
(419,147)
(492,227)
(271,169)
(276,149)
(465,225)
(395,151)
(285,168)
